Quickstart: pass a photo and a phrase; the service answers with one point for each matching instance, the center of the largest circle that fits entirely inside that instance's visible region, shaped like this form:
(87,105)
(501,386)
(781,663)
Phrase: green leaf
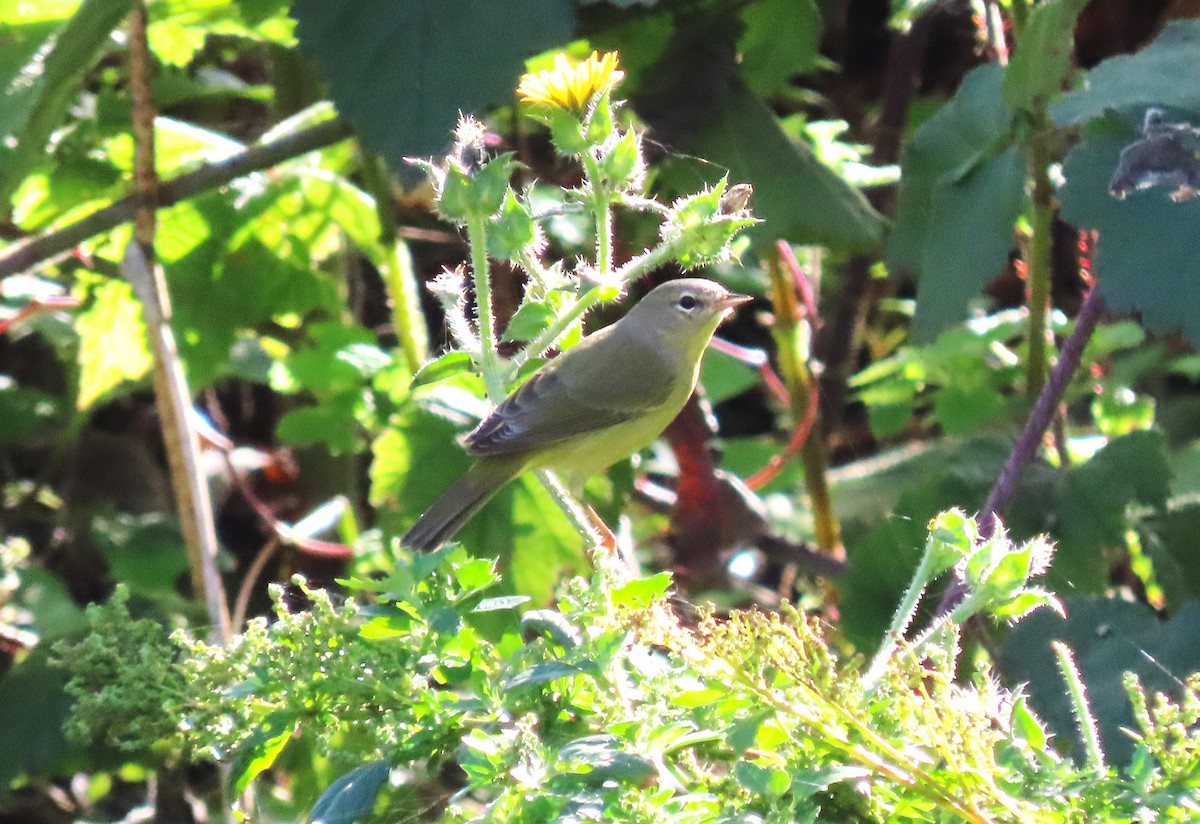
(417,457)
(33,710)
(797,197)
(641,592)
(781,39)
(1146,260)
(542,674)
(260,749)
(599,758)
(503,602)
(1109,636)
(1166,74)
(146,552)
(1092,503)
(36,94)
(402,72)
(332,422)
(445,366)
(544,548)
(112,342)
(769,781)
(24,413)
(342,357)
(533,318)
(962,188)
(352,796)
(1042,59)
(962,408)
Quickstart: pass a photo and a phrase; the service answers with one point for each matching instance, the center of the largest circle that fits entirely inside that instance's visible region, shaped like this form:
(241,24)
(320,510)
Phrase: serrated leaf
(533,318)
(1166,74)
(1109,636)
(112,342)
(962,188)
(796,196)
(402,72)
(1042,58)
(958,135)
(1146,259)
(781,39)
(351,797)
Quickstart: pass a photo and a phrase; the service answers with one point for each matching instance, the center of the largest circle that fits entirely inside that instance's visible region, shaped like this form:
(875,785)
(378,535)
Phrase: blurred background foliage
(939,166)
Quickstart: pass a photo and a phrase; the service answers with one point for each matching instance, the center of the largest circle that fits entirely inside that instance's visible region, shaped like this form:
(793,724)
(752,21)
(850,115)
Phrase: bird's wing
(549,407)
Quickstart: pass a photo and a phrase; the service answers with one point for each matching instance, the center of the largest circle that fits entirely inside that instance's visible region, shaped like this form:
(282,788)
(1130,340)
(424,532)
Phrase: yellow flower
(568,86)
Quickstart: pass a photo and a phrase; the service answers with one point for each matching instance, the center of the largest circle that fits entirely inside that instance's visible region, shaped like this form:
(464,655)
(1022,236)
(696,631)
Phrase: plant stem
(901,620)
(792,343)
(635,268)
(1040,250)
(602,211)
(396,268)
(1031,436)
(489,359)
(1043,411)
(1080,707)
(172,398)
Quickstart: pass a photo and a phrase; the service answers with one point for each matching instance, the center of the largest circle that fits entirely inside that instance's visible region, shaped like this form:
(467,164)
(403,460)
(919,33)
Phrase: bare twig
(21,256)
(171,394)
(253,573)
(1043,411)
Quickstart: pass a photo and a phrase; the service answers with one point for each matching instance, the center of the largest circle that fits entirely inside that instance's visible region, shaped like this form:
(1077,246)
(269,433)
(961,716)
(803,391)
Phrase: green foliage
(1128,251)
(127,684)
(964,186)
(1130,639)
(1042,60)
(607,704)
(441,689)
(56,46)
(426,62)
(1162,74)
(743,137)
(962,381)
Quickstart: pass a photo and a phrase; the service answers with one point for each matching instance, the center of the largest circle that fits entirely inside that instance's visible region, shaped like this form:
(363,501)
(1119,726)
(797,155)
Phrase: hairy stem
(489,359)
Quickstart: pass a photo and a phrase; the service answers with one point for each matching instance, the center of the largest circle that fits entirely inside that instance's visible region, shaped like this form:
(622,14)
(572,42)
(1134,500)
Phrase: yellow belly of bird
(581,456)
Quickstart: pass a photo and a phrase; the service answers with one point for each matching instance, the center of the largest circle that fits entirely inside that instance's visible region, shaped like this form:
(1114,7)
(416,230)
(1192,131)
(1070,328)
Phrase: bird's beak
(732,301)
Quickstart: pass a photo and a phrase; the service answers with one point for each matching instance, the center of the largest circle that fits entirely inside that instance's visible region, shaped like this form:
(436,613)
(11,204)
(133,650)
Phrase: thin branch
(1035,428)
(1043,411)
(27,253)
(171,395)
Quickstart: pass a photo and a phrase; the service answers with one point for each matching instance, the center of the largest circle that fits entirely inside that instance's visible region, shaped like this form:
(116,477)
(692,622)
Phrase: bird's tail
(449,513)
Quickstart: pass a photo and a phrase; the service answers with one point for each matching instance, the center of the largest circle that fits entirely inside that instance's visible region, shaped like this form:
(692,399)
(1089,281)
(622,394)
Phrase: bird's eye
(687,303)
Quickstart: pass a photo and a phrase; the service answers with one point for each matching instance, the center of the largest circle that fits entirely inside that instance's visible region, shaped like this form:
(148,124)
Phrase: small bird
(601,400)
